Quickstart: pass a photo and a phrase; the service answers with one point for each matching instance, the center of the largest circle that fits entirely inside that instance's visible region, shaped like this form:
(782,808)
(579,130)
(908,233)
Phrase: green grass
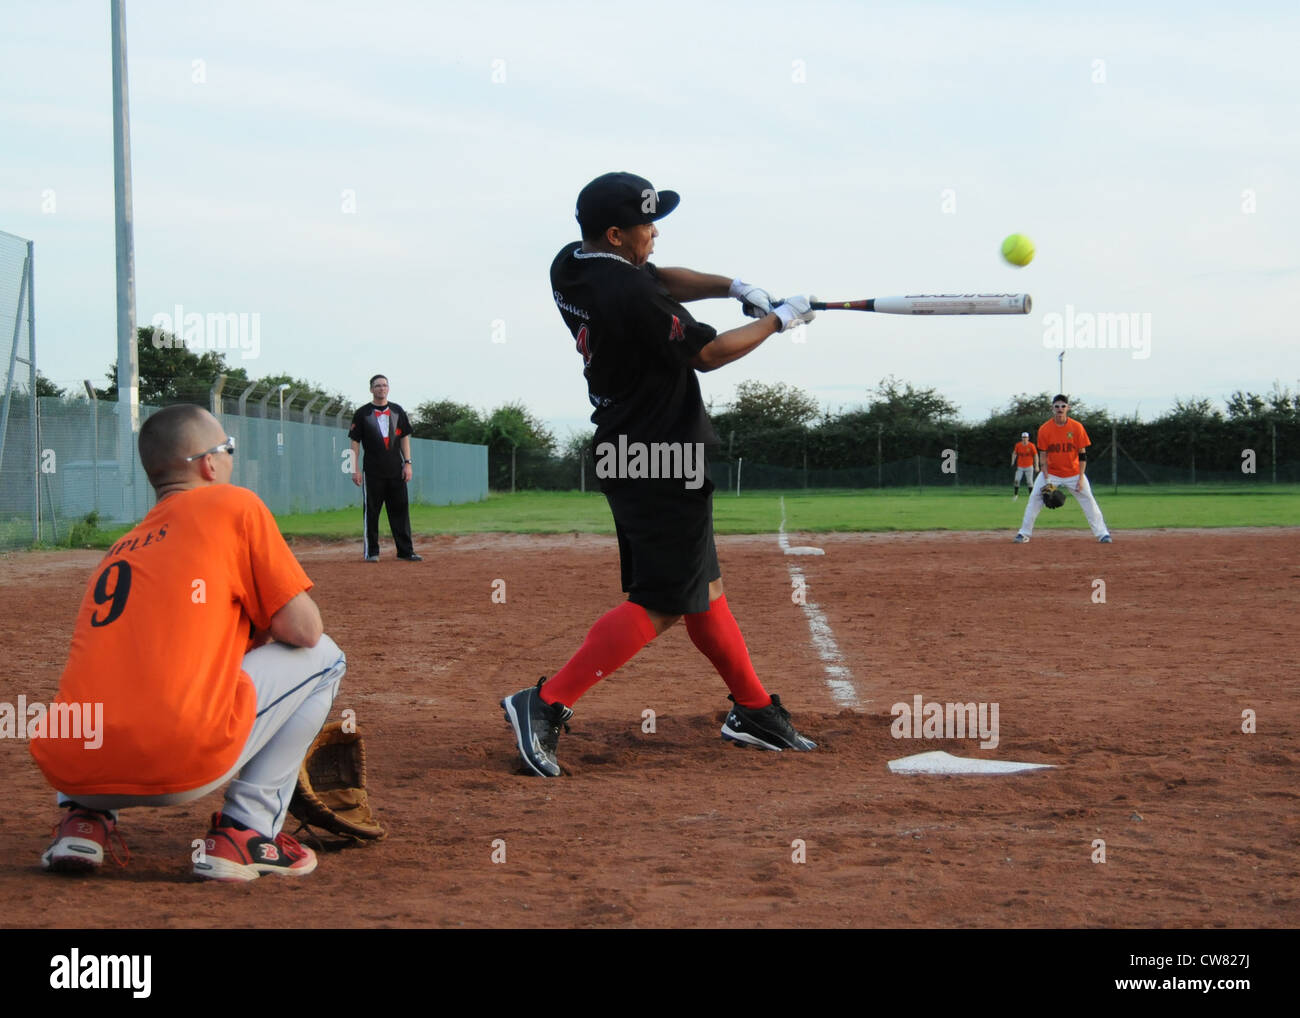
(759,512)
(993,509)
(540,512)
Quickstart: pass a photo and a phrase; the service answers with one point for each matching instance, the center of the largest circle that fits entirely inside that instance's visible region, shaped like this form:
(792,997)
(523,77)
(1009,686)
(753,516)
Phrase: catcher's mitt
(1053,496)
(331,792)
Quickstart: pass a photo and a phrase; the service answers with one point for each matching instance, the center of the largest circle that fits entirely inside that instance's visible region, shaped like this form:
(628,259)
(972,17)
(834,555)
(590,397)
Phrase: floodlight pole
(128,362)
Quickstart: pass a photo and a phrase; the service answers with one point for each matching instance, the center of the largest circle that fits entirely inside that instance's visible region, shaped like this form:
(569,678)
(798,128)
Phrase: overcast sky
(385,184)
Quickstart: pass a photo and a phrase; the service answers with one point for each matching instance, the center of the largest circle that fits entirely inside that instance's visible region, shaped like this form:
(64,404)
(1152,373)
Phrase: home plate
(805,549)
(940,762)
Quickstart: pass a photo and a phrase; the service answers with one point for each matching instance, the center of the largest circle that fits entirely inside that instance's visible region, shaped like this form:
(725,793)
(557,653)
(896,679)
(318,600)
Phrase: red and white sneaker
(234,855)
(80,840)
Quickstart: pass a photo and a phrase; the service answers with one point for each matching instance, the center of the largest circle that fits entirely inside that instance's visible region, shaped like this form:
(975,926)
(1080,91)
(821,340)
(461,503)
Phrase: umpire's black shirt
(380,461)
(636,342)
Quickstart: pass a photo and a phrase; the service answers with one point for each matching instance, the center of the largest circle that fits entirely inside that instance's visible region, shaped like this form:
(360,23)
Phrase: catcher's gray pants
(295,687)
(1078,487)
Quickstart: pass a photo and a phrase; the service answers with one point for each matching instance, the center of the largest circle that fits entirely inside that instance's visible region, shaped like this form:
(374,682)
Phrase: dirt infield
(1138,701)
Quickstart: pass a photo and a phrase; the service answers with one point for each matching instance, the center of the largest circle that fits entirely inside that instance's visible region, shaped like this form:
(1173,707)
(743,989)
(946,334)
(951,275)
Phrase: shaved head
(170,435)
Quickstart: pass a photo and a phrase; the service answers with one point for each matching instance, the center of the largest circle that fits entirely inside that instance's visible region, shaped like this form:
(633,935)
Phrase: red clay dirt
(1138,701)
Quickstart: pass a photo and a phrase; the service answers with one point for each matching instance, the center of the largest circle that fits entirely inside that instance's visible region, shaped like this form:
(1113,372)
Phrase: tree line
(784,427)
(170,373)
(781,426)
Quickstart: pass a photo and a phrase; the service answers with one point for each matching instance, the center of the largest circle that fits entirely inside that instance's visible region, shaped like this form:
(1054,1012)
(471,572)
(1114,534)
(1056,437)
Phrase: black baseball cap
(622,199)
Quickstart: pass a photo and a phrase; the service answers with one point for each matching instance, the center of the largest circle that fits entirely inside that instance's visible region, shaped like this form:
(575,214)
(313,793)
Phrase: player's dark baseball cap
(622,199)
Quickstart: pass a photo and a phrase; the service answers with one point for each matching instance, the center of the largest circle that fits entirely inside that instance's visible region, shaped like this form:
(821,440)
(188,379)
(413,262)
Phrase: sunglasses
(228,446)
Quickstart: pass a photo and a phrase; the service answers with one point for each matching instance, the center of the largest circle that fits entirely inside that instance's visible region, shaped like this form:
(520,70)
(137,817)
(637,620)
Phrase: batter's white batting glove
(755,302)
(794,309)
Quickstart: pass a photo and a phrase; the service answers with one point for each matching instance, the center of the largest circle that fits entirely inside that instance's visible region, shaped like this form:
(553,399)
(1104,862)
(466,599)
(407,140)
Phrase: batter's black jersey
(380,460)
(636,343)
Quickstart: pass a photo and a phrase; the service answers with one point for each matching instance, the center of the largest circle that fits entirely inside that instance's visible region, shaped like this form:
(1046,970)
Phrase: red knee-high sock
(718,637)
(611,643)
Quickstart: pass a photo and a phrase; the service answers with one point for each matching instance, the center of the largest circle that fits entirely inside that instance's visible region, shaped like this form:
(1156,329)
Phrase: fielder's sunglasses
(228,445)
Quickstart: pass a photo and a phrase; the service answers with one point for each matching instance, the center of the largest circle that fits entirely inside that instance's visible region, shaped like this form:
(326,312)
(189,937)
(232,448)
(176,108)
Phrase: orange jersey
(1061,443)
(1025,453)
(159,641)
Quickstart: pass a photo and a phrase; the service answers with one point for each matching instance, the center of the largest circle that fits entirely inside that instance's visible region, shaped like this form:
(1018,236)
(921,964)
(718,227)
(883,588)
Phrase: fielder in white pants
(1077,486)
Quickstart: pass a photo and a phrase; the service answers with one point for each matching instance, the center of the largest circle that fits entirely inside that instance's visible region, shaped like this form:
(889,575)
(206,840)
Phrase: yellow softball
(1018,250)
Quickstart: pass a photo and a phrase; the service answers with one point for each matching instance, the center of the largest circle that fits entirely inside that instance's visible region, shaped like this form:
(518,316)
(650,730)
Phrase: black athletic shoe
(411,557)
(768,728)
(537,727)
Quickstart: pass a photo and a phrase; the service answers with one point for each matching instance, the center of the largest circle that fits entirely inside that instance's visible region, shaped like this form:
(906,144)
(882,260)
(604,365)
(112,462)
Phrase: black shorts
(665,544)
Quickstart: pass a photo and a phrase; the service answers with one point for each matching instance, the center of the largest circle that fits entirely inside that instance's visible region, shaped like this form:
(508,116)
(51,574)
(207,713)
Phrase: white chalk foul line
(838,677)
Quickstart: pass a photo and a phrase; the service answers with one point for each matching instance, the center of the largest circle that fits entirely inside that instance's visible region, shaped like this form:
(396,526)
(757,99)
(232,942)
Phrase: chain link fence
(66,464)
(1242,452)
(17,381)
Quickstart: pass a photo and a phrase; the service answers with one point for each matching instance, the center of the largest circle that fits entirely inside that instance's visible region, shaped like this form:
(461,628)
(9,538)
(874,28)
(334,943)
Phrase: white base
(939,762)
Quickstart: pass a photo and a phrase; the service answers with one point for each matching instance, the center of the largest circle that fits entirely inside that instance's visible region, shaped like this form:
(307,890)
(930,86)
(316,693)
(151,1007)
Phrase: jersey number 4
(582,342)
(117,573)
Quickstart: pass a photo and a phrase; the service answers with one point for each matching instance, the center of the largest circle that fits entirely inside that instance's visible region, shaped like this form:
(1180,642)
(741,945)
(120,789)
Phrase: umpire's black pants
(389,492)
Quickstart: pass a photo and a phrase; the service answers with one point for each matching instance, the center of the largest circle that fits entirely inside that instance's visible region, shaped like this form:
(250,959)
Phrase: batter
(640,349)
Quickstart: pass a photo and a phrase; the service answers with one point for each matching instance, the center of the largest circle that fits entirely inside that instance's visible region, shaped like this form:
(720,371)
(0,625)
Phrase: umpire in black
(384,431)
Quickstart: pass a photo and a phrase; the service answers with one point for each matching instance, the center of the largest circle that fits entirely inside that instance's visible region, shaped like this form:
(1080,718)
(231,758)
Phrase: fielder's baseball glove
(1053,496)
(331,792)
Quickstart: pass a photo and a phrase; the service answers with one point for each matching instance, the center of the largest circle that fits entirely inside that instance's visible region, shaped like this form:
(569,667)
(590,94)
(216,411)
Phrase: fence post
(36,476)
(13,359)
(214,395)
(1272,426)
(94,449)
(243,399)
(1114,458)
(879,461)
